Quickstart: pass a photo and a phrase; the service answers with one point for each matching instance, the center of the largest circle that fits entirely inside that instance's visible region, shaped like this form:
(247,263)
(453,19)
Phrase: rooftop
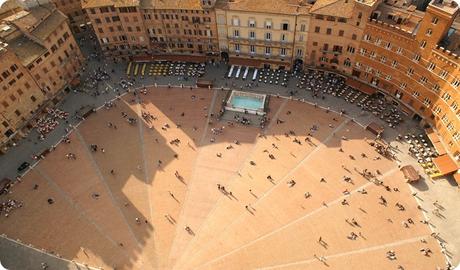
(172,4)
(26,50)
(47,26)
(270,6)
(447,6)
(27,20)
(407,18)
(336,8)
(105,3)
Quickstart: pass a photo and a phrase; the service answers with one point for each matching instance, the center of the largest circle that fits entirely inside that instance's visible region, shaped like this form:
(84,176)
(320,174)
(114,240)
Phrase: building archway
(224,56)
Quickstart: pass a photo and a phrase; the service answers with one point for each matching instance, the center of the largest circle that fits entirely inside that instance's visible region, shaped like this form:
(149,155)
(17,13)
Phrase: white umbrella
(1,266)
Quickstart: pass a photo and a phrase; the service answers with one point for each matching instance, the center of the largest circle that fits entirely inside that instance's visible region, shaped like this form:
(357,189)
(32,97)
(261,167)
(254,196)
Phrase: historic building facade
(154,27)
(402,57)
(39,59)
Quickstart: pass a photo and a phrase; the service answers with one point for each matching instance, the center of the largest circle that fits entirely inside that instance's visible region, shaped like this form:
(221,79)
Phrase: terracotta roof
(106,3)
(26,50)
(290,7)
(457,178)
(445,164)
(176,4)
(47,26)
(436,141)
(336,8)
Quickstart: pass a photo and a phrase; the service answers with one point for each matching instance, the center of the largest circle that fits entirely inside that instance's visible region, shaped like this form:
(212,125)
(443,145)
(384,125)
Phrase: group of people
(50,121)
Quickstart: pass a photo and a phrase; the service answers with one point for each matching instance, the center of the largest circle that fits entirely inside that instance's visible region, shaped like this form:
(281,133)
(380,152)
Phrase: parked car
(23,166)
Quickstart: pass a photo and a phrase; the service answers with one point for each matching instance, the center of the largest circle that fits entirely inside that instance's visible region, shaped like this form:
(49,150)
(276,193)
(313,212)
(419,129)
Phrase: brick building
(144,28)
(39,59)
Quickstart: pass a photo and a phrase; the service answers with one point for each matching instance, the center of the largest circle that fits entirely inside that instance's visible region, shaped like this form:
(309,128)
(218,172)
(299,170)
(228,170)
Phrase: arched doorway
(224,56)
(298,65)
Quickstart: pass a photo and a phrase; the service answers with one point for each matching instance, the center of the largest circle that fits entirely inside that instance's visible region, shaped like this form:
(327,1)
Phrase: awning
(375,128)
(457,178)
(410,173)
(445,164)
(363,87)
(436,141)
(203,83)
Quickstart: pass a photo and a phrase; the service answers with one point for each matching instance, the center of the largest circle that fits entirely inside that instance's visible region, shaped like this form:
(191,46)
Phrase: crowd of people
(50,121)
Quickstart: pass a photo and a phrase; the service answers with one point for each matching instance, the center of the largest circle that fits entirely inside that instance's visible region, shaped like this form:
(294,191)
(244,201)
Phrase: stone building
(145,28)
(39,60)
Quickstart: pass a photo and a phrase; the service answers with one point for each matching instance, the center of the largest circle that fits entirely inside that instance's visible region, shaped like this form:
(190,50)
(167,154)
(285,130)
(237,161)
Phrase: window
(268,50)
(416,57)
(301,37)
(445,119)
(429,31)
(456,136)
(410,72)
(302,28)
(98,21)
(443,74)
(415,94)
(347,62)
(317,29)
(285,26)
(283,51)
(268,36)
(268,25)
(252,49)
(33,98)
(354,37)
(403,85)
(437,110)
(454,106)
(236,33)
(328,31)
(351,49)
(17,112)
(434,20)
(423,44)
(383,59)
(283,37)
(423,80)
(431,66)
(252,23)
(341,33)
(399,50)
(394,64)
(236,22)
(299,53)
(436,88)
(367,37)
(427,102)
(5,74)
(252,35)
(455,82)
(446,97)
(14,67)
(237,48)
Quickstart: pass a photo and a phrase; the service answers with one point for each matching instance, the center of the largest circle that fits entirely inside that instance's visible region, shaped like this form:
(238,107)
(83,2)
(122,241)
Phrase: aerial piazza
(229,134)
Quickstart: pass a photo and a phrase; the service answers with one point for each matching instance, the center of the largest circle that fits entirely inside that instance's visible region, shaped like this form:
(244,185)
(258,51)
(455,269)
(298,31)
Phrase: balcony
(263,42)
